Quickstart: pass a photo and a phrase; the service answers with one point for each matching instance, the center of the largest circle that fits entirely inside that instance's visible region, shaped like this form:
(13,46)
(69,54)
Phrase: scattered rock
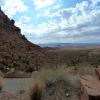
(68,95)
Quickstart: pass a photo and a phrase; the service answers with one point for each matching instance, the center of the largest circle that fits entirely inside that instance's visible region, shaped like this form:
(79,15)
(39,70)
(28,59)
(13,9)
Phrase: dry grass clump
(1,83)
(57,83)
(37,91)
(49,74)
(85,69)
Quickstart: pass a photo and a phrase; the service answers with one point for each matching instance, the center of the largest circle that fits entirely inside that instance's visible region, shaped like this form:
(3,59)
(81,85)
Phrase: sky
(56,21)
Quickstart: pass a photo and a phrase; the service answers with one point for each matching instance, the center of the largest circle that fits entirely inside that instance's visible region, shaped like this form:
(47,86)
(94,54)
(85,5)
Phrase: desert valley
(55,72)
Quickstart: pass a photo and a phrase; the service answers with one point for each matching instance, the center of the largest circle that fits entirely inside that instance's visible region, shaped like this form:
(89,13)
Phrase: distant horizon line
(71,43)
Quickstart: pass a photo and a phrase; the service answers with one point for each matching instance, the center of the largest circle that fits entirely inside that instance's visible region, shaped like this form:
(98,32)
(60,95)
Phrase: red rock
(90,88)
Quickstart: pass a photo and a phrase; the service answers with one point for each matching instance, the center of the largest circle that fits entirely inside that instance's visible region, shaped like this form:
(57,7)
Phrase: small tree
(12,21)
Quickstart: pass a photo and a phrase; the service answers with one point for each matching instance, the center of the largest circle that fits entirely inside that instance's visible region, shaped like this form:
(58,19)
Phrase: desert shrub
(29,70)
(36,92)
(84,68)
(57,83)
(46,75)
(12,21)
(24,37)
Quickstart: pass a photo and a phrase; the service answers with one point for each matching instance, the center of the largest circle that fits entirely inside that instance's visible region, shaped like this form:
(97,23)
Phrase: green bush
(12,21)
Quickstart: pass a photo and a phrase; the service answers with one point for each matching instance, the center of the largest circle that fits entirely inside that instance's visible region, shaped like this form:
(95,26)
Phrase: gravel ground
(7,96)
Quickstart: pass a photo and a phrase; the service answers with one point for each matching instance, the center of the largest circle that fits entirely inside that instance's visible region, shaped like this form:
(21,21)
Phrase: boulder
(90,88)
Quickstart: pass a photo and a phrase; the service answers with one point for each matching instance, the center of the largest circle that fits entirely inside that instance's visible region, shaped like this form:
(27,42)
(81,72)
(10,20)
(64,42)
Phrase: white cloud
(39,31)
(43,3)
(47,13)
(83,7)
(81,22)
(23,23)
(43,29)
(56,14)
(94,2)
(74,24)
(44,13)
(64,23)
(11,7)
(24,19)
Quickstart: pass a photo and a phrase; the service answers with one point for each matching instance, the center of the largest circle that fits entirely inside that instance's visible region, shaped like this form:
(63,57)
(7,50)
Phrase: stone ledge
(90,88)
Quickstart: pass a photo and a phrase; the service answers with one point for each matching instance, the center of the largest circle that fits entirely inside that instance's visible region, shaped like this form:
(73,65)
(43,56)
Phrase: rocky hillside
(15,50)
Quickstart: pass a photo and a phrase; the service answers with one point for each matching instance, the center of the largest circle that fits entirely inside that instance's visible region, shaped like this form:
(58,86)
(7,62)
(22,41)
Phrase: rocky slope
(15,50)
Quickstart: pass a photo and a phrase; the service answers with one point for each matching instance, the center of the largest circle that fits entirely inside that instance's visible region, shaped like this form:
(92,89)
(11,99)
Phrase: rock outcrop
(15,50)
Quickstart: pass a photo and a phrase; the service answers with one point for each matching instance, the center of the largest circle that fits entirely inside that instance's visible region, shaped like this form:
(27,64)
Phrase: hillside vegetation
(16,51)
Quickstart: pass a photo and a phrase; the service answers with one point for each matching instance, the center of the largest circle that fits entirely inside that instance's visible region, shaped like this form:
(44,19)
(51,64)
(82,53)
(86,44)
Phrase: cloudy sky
(48,21)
